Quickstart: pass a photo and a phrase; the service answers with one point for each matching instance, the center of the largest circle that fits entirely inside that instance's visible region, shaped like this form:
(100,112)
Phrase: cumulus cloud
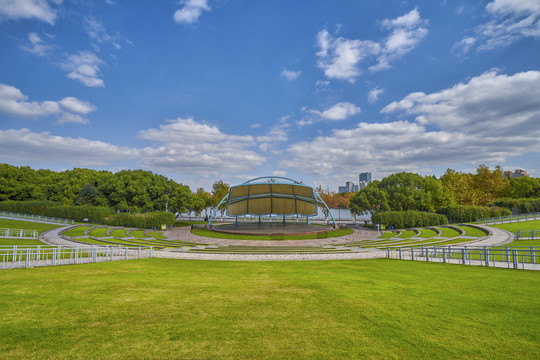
(290,74)
(407,32)
(340,57)
(84,67)
(510,21)
(488,119)
(190,11)
(184,145)
(27,146)
(374,94)
(491,104)
(36,45)
(339,111)
(28,9)
(69,109)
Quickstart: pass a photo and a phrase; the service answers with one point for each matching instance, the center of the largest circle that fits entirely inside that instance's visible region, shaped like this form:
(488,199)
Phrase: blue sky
(319,91)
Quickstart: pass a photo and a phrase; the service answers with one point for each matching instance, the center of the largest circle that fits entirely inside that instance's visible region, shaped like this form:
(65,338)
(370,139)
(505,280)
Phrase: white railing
(35,218)
(18,234)
(32,256)
(509,219)
(516,257)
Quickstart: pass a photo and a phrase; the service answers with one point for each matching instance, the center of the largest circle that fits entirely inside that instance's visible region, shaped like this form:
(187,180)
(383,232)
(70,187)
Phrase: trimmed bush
(462,213)
(142,221)
(519,206)
(33,207)
(408,219)
(94,214)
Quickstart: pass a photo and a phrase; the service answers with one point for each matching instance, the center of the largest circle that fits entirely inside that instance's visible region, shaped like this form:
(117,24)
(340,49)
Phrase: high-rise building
(366,177)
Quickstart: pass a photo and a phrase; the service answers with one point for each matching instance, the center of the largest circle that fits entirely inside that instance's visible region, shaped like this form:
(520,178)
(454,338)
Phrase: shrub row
(519,206)
(462,213)
(34,207)
(409,219)
(93,214)
(143,221)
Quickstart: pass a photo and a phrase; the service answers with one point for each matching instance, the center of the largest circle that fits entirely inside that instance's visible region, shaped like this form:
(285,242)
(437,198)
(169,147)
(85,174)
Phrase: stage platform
(277,228)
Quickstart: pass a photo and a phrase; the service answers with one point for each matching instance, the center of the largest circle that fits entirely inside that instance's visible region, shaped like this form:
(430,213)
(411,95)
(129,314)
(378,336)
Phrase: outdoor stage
(277,228)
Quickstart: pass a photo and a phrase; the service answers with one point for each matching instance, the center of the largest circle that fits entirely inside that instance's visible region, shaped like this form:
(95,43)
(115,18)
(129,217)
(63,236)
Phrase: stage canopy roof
(272,195)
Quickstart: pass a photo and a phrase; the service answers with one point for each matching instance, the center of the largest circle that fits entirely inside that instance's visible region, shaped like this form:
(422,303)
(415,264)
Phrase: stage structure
(270,196)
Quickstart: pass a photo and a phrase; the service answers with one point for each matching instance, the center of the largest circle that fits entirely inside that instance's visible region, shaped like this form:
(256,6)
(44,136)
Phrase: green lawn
(119,233)
(156,234)
(523,225)
(78,231)
(470,231)
(19,242)
(448,232)
(99,232)
(17,224)
(387,235)
(138,234)
(213,234)
(405,234)
(179,309)
(188,223)
(427,233)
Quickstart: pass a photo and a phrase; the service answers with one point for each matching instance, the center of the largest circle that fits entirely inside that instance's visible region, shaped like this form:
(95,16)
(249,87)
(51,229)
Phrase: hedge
(462,213)
(522,206)
(33,207)
(408,219)
(93,214)
(143,221)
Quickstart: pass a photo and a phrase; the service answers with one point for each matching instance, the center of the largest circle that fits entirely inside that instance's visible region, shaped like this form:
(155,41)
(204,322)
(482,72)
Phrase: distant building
(349,187)
(516,174)
(365,177)
(362,184)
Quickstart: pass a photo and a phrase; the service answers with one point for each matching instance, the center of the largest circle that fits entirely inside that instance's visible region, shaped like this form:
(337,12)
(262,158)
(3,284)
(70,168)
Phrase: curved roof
(271,195)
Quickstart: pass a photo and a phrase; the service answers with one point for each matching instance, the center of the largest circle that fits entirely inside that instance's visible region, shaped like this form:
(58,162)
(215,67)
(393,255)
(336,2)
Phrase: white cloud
(14,102)
(290,74)
(486,120)
(374,94)
(510,21)
(185,145)
(340,57)
(75,105)
(27,146)
(339,111)
(407,32)
(28,9)
(191,11)
(36,45)
(84,67)
(488,105)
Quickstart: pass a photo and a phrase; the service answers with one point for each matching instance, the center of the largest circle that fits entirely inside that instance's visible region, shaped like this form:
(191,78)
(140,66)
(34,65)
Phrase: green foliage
(523,205)
(142,221)
(524,187)
(370,199)
(408,219)
(95,214)
(462,213)
(35,207)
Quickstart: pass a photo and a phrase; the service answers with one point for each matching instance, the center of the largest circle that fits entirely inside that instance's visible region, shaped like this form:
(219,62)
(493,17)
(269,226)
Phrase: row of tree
(408,191)
(125,191)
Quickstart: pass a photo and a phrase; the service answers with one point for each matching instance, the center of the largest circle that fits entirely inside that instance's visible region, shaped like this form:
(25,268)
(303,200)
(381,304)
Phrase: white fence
(509,219)
(31,256)
(35,218)
(18,234)
(519,257)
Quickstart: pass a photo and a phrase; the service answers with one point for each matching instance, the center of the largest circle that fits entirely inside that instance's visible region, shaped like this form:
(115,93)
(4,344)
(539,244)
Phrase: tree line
(124,191)
(408,191)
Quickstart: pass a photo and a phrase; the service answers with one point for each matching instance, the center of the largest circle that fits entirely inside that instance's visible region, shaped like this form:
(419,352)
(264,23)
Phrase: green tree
(524,187)
(370,199)
(206,198)
(219,191)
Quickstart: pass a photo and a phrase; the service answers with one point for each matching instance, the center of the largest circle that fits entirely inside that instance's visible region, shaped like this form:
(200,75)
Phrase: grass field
(159,309)
(17,224)
(522,225)
(213,234)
